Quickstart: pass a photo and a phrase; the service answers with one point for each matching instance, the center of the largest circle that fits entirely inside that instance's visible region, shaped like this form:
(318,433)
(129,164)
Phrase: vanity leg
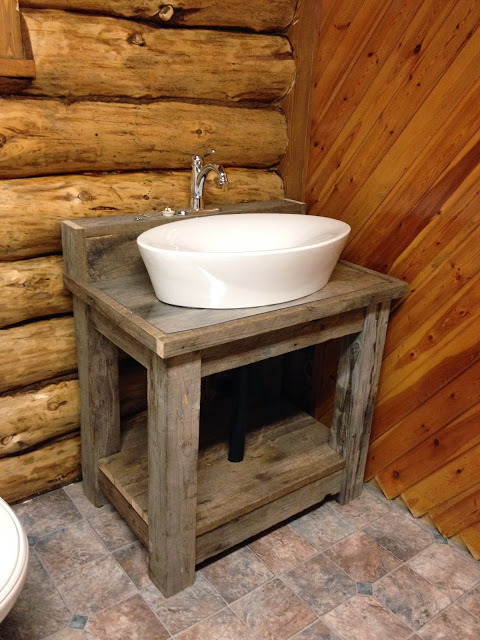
(357,382)
(173,430)
(99,402)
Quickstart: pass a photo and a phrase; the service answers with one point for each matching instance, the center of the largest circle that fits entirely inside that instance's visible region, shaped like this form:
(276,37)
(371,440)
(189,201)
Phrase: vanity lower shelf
(288,467)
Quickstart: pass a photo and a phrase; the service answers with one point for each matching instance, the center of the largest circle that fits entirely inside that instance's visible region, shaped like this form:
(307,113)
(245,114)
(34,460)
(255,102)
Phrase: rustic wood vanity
(174,486)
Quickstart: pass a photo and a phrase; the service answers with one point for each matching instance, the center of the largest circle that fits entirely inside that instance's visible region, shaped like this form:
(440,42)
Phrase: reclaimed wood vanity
(186,501)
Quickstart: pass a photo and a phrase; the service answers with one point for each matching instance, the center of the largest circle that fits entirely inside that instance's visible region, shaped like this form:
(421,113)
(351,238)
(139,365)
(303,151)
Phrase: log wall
(119,104)
(395,152)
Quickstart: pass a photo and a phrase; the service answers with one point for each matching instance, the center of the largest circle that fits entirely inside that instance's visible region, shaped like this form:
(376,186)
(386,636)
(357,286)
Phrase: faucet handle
(208,153)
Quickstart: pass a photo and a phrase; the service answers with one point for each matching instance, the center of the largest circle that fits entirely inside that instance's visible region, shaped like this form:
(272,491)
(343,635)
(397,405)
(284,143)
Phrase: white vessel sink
(241,260)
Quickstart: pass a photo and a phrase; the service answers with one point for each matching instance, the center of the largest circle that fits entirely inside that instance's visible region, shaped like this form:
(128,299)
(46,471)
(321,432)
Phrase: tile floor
(366,571)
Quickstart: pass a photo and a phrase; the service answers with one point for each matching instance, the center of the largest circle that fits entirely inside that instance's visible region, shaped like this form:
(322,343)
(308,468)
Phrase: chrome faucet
(199,175)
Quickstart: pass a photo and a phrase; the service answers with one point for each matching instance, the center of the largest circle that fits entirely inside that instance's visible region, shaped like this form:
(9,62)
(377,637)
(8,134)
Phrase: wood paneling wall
(119,104)
(395,150)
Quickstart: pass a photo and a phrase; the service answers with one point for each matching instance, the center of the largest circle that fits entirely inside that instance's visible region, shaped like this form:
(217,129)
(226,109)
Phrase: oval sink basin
(241,260)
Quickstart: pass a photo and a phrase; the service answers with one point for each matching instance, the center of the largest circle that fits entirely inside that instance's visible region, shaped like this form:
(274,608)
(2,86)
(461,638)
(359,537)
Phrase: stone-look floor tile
(187,607)
(273,612)
(67,634)
(453,624)
(224,625)
(131,619)
(363,510)
(317,631)
(68,549)
(83,504)
(134,561)
(471,601)
(320,583)
(95,586)
(39,610)
(448,570)
(410,597)
(44,514)
(237,573)
(399,534)
(282,549)
(362,618)
(362,558)
(111,528)
(323,527)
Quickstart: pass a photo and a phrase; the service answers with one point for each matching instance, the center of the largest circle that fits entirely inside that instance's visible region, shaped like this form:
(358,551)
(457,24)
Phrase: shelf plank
(282,456)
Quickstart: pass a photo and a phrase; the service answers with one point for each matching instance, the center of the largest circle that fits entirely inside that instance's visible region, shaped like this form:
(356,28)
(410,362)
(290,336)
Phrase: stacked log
(107,128)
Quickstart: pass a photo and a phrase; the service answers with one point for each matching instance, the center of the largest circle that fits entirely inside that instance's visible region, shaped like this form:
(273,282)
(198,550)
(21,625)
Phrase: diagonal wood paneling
(395,152)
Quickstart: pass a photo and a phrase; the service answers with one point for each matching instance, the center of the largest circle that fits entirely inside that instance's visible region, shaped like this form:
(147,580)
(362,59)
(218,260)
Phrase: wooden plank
(10,32)
(51,466)
(173,432)
(79,55)
(251,14)
(274,343)
(50,136)
(232,533)
(178,330)
(471,537)
(439,368)
(449,320)
(111,244)
(297,105)
(449,481)
(121,338)
(31,289)
(444,165)
(36,351)
(301,470)
(457,215)
(31,209)
(438,449)
(34,416)
(452,269)
(334,107)
(357,381)
(457,514)
(214,542)
(100,406)
(365,142)
(445,406)
(12,68)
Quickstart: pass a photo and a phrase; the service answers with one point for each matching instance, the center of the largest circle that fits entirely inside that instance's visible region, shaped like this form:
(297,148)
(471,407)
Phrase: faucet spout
(200,172)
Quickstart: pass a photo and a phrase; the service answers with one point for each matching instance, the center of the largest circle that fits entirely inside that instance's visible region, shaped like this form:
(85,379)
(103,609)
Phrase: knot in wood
(136,38)
(85,196)
(166,12)
(3,140)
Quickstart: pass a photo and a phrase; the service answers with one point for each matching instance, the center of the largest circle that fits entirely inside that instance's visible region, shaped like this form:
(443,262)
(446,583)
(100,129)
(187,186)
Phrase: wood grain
(357,381)
(49,136)
(457,514)
(10,32)
(80,55)
(43,469)
(471,537)
(297,105)
(173,434)
(438,449)
(31,289)
(100,402)
(37,351)
(250,14)
(31,209)
(394,151)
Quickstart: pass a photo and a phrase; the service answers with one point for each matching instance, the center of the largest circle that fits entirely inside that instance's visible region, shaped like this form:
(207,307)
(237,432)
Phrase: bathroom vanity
(186,501)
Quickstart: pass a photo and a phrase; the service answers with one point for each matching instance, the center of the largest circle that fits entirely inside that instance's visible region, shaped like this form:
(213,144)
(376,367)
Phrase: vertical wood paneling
(395,152)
